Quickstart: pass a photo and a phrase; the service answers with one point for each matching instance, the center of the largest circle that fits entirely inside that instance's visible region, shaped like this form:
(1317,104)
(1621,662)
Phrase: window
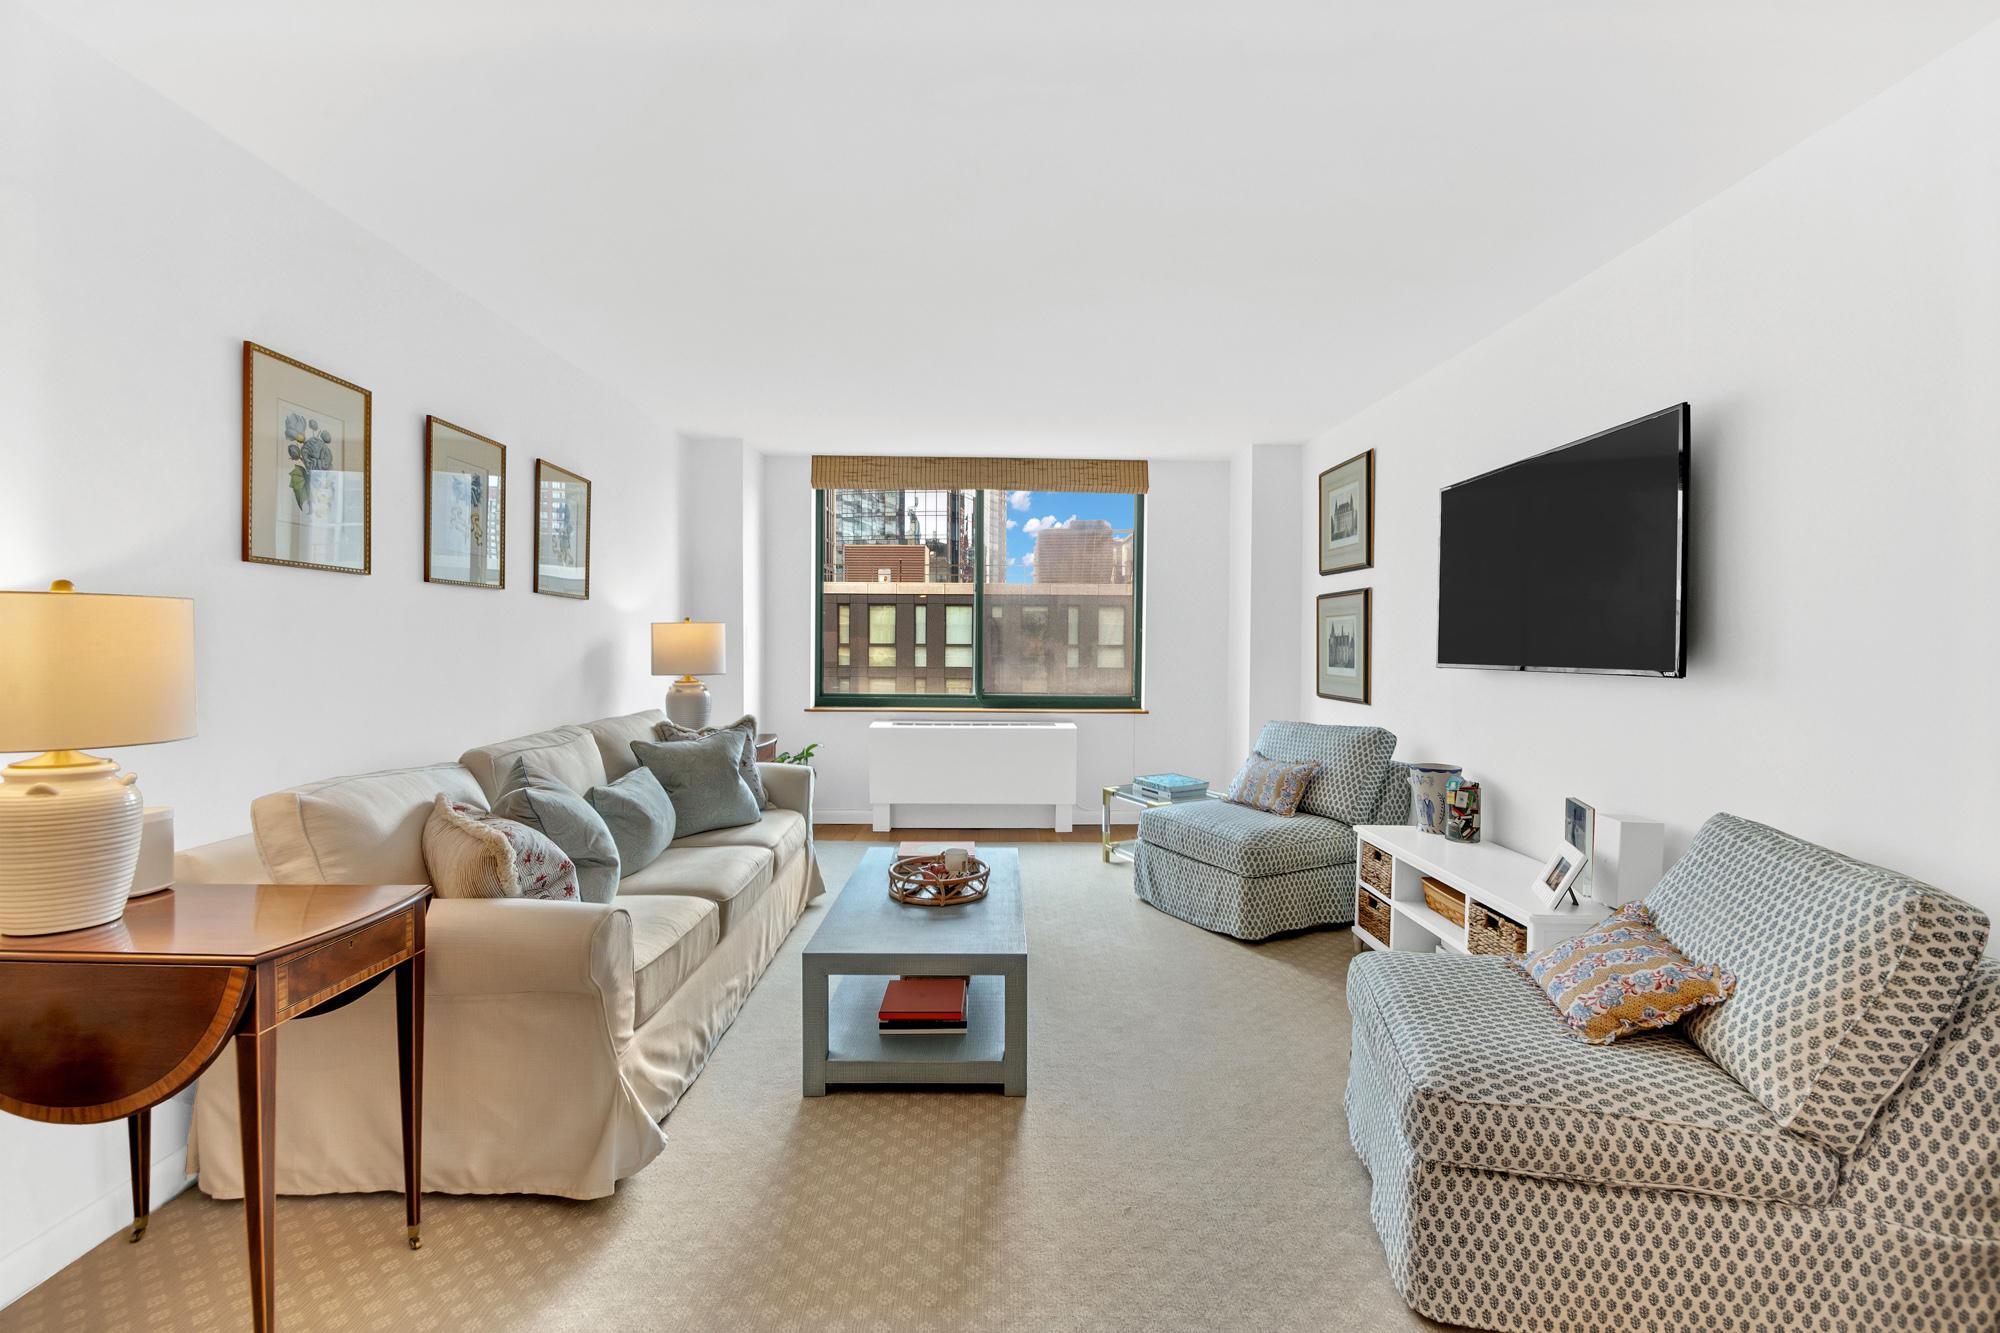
(1033,597)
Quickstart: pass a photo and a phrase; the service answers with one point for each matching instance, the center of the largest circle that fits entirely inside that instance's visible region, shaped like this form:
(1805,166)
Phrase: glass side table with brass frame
(1121,849)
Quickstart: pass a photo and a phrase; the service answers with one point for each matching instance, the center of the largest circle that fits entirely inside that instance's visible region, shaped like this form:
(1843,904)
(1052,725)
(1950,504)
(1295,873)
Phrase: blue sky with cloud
(1028,512)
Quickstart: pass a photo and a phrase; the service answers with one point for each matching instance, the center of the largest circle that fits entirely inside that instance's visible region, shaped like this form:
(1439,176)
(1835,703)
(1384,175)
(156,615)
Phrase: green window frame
(1109,641)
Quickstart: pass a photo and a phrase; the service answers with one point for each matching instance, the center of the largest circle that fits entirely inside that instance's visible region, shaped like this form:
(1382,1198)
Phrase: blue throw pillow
(534,797)
(703,780)
(639,815)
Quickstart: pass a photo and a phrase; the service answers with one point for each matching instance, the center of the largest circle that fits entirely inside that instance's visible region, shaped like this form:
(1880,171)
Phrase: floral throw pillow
(474,854)
(1275,785)
(1624,977)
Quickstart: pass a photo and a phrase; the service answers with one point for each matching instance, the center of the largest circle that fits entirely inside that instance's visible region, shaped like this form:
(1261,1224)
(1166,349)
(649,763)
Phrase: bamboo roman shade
(1120,476)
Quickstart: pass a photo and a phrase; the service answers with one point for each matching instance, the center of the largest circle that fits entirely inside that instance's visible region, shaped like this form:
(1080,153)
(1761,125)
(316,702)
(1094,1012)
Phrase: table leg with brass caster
(139,1139)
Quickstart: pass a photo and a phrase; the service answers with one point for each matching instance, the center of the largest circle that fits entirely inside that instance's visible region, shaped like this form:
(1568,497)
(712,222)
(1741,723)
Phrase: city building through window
(1008,599)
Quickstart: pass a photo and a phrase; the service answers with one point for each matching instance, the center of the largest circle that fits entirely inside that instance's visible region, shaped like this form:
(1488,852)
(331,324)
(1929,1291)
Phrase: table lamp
(689,650)
(82,669)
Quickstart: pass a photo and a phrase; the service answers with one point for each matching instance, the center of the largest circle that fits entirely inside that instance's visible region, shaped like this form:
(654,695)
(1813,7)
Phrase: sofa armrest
(231,861)
(503,946)
(789,786)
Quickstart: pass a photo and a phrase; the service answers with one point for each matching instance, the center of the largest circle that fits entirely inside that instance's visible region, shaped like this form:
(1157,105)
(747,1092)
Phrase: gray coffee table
(868,939)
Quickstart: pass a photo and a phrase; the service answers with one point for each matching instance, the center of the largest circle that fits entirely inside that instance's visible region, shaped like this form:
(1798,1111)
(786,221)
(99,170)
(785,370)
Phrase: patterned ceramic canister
(1461,810)
(1427,794)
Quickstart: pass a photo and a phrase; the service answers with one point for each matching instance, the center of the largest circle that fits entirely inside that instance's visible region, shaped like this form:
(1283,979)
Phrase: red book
(916,998)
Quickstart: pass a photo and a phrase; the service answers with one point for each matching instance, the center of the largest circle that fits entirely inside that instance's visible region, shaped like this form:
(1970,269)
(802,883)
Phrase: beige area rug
(1180,1162)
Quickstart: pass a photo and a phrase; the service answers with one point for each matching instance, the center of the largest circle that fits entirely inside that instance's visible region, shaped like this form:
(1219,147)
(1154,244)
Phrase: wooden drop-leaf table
(106,1023)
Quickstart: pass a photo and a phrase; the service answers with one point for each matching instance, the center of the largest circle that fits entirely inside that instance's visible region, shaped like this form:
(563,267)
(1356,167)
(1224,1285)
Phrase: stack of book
(1170,787)
(914,1005)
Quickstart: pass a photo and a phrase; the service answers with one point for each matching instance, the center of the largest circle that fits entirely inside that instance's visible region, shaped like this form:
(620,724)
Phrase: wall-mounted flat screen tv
(1573,560)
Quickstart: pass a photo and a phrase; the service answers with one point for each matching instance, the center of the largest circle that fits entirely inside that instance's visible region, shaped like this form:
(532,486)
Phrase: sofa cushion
(671,936)
(473,854)
(1247,842)
(703,780)
(1845,972)
(534,798)
(733,878)
(670,731)
(1480,1072)
(1353,762)
(614,737)
(780,832)
(1623,976)
(568,754)
(366,829)
(636,810)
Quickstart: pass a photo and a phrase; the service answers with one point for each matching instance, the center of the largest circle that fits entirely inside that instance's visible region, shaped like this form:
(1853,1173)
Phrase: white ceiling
(1139,227)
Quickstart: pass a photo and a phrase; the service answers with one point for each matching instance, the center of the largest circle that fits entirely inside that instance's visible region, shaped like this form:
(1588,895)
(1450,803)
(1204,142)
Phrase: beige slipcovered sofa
(556,1034)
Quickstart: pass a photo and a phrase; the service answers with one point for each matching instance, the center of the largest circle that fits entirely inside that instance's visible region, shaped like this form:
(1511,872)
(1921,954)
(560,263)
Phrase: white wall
(137,250)
(1835,322)
(721,543)
(1186,662)
(1265,529)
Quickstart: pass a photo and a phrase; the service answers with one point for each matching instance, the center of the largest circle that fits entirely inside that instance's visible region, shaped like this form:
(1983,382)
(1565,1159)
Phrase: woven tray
(922,881)
(1446,901)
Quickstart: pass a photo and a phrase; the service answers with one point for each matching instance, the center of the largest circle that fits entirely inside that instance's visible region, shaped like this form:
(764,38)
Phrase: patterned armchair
(1251,874)
(1821,1152)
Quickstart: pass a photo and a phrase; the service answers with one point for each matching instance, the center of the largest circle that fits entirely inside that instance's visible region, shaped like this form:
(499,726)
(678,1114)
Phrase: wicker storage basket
(1489,932)
(1375,869)
(1446,901)
(1373,914)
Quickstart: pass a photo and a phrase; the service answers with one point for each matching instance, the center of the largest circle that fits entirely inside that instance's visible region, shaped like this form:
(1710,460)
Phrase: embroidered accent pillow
(1624,977)
(1272,784)
(473,854)
(746,765)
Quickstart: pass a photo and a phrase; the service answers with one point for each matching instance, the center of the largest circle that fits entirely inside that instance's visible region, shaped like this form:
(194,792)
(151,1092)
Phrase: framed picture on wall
(305,465)
(465,507)
(562,531)
(1342,645)
(1347,515)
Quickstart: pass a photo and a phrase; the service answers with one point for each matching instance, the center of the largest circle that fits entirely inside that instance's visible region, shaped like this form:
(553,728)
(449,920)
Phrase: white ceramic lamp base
(688,703)
(69,845)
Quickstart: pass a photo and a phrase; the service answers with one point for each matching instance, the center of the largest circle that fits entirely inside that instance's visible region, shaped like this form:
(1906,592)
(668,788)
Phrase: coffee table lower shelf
(857,1052)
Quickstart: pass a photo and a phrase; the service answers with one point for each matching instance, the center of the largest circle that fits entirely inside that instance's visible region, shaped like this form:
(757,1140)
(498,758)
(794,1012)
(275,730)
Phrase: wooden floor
(1004,836)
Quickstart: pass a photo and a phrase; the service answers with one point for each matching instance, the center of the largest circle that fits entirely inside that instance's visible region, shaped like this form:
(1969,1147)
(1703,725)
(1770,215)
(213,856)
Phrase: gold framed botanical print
(1343,645)
(305,465)
(465,507)
(562,532)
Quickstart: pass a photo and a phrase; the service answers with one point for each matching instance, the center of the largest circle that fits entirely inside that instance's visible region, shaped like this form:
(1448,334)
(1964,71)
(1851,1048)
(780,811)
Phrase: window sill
(997,712)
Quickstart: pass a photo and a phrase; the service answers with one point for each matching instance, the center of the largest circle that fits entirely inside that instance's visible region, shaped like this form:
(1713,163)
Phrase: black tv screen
(1573,560)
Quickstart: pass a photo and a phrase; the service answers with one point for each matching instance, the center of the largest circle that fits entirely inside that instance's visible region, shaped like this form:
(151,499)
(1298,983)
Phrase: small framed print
(1342,645)
(1580,835)
(1347,515)
(1557,878)
(465,507)
(305,465)
(562,532)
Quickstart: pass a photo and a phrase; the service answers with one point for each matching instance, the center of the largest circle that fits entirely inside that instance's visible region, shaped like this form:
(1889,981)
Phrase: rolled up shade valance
(855,472)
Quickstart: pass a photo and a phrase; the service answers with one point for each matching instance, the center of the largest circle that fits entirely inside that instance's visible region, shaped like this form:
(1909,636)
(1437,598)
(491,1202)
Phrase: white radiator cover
(972,763)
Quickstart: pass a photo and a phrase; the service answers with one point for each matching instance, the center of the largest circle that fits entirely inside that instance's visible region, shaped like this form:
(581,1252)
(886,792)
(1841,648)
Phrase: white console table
(1482,871)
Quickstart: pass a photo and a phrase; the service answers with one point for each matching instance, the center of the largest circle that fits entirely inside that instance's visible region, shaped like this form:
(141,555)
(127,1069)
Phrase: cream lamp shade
(686,648)
(89,669)
(76,670)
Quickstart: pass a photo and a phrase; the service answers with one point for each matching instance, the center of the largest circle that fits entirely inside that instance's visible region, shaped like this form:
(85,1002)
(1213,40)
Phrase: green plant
(802,757)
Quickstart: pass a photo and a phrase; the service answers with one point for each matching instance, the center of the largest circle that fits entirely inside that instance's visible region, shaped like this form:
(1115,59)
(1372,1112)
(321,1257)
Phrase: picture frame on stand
(306,438)
(1343,645)
(1347,515)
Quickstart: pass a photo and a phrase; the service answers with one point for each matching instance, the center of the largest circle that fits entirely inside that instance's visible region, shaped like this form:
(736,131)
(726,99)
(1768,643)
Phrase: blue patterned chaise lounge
(1251,874)
(1820,1153)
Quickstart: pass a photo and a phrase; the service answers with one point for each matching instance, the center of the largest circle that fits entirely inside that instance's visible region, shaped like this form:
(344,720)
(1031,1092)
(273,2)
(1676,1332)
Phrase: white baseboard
(85,1229)
(977,816)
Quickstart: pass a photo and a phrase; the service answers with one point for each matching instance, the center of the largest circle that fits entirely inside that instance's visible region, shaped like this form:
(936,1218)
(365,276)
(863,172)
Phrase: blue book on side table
(1170,787)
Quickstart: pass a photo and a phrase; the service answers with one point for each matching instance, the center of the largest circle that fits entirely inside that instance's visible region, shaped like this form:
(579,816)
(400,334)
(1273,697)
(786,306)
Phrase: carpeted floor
(1180,1162)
